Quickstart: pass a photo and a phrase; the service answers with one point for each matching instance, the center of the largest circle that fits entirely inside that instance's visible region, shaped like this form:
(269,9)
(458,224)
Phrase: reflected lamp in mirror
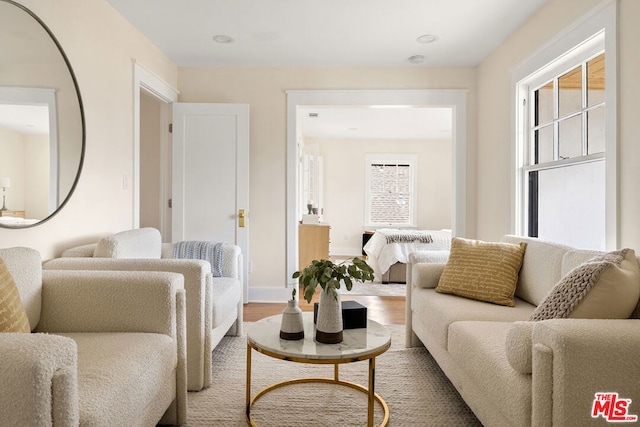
(4,183)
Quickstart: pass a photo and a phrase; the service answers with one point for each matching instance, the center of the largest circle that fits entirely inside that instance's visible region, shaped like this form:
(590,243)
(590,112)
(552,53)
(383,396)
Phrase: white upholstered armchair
(214,304)
(106,348)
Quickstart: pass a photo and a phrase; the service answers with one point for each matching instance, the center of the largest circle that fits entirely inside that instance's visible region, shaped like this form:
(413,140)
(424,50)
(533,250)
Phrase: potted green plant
(330,277)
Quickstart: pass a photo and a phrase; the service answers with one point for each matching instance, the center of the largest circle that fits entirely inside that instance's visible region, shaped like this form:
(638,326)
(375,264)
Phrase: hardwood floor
(383,309)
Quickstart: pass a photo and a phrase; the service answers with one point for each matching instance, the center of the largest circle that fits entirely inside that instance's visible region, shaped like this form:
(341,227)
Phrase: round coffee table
(358,344)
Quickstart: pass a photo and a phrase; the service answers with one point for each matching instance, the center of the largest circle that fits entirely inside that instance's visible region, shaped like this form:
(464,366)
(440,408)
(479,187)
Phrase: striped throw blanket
(408,237)
(197,249)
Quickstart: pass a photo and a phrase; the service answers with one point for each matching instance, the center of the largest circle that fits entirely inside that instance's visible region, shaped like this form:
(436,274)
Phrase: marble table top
(358,344)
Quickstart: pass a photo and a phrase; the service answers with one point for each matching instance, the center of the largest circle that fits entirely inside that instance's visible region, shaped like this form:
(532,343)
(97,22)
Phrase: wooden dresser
(14,214)
(313,243)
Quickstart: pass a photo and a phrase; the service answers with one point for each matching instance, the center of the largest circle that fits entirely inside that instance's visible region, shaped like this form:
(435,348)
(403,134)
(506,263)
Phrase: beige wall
(494,163)
(264,89)
(101,46)
(344,185)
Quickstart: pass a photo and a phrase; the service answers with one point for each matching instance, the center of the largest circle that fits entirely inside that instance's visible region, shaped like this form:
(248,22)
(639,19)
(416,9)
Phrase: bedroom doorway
(303,102)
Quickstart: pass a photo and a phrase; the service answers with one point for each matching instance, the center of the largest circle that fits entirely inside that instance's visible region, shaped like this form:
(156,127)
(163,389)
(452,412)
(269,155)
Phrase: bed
(388,250)
(9,221)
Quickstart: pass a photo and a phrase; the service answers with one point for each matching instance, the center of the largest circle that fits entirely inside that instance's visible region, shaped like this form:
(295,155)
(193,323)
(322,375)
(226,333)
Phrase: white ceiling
(26,119)
(326,32)
(367,33)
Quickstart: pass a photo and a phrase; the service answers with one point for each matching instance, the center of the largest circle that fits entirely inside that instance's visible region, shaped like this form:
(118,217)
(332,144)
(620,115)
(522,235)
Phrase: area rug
(412,384)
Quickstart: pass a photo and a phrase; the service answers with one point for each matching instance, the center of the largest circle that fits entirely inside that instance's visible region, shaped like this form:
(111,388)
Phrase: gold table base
(370,391)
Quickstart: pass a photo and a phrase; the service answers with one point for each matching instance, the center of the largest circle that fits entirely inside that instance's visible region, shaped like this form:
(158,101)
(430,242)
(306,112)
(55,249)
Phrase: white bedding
(16,222)
(382,255)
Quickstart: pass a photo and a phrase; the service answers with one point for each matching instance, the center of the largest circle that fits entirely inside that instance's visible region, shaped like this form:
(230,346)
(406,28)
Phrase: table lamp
(4,183)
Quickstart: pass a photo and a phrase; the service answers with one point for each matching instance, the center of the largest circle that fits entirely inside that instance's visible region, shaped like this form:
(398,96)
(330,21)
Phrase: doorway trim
(144,79)
(455,98)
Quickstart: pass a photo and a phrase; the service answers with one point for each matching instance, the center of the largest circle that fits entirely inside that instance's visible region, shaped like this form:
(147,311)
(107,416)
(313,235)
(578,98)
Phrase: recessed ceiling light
(221,38)
(426,38)
(416,59)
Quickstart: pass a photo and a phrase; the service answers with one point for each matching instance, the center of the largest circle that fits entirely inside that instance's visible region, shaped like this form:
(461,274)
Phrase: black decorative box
(354,315)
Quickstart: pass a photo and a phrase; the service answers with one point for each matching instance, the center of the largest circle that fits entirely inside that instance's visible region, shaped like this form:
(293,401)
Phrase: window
(562,168)
(389,192)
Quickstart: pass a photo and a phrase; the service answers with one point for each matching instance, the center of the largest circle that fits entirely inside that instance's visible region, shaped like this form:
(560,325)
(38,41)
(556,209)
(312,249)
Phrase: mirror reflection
(41,120)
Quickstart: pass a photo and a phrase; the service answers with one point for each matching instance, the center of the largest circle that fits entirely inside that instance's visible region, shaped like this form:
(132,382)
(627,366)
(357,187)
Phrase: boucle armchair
(214,304)
(107,348)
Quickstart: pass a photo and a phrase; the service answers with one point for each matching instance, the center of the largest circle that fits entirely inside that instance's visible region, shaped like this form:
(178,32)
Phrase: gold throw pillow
(483,271)
(13,318)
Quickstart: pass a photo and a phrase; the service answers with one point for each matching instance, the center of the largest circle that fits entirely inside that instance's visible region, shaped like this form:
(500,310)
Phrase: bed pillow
(605,287)
(13,318)
(484,271)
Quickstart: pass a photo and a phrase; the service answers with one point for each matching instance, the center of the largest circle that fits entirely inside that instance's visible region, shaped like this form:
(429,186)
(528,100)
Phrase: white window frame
(409,159)
(564,52)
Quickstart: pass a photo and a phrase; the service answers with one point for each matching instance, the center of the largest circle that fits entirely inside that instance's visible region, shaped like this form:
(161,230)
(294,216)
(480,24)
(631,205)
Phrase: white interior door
(210,170)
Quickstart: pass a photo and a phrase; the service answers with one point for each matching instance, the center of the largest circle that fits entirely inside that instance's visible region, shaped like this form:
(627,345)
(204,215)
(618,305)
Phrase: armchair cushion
(124,371)
(483,271)
(605,287)
(13,318)
(137,243)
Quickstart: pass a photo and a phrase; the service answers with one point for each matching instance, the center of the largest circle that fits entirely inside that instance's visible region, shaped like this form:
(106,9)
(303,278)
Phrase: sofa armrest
(39,380)
(573,359)
(109,301)
(421,273)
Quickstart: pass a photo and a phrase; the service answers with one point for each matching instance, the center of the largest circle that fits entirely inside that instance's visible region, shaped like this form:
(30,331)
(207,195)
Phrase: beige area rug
(414,387)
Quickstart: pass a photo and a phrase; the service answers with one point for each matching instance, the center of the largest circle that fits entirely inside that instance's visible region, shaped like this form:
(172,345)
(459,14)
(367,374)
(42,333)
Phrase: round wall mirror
(42,132)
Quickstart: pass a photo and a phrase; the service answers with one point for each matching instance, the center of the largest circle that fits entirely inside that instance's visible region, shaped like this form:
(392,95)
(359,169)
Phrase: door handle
(241,218)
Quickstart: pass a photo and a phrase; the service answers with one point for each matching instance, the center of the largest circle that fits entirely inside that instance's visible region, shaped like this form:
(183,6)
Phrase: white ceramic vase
(292,327)
(329,321)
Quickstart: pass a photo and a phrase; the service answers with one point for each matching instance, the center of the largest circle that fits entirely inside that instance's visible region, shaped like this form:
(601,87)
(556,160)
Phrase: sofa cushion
(541,267)
(13,318)
(137,243)
(477,348)
(605,287)
(425,275)
(485,271)
(119,374)
(437,311)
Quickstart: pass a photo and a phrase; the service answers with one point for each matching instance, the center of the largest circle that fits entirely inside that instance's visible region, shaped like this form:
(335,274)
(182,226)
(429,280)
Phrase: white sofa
(107,348)
(515,372)
(214,304)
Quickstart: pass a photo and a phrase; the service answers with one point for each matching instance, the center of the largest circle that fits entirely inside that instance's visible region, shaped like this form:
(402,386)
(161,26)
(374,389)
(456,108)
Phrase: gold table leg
(372,396)
(372,373)
(248,390)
